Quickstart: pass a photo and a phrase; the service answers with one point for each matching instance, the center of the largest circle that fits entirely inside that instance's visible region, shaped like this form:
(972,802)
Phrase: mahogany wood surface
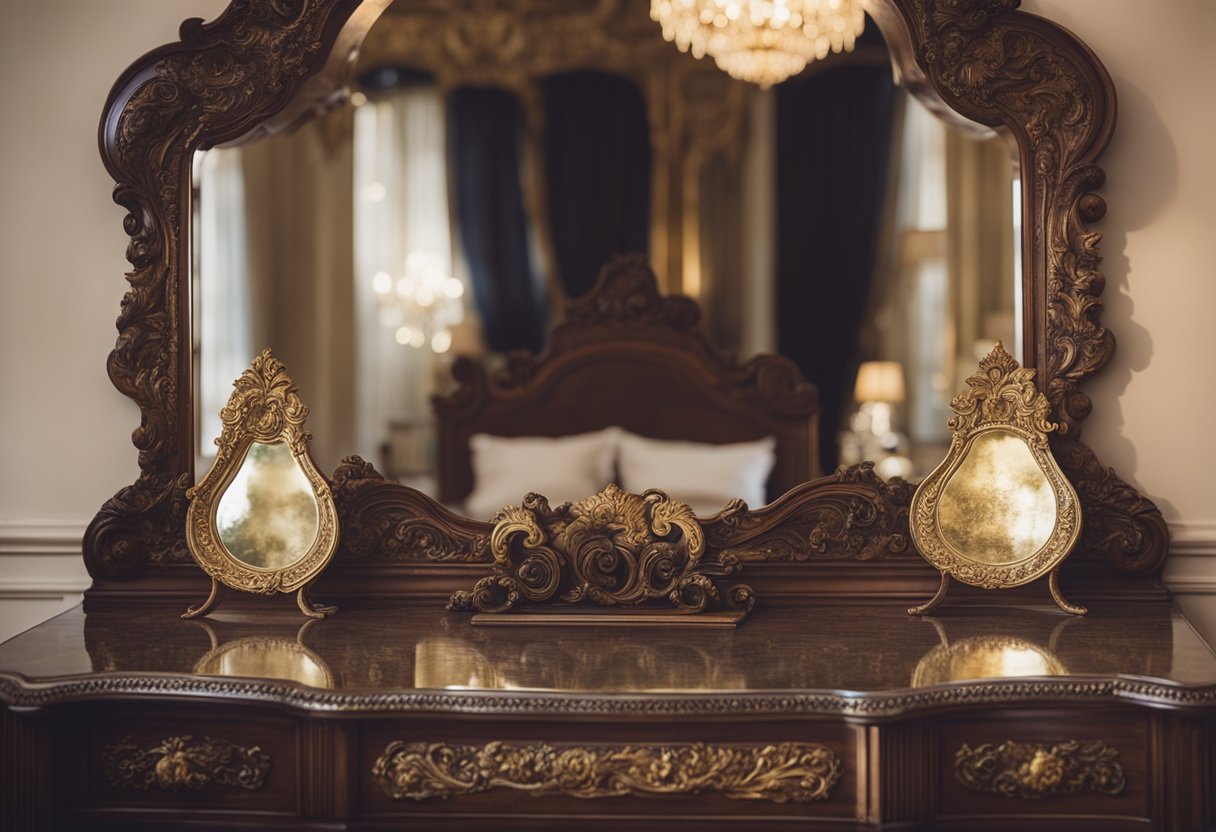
(895,699)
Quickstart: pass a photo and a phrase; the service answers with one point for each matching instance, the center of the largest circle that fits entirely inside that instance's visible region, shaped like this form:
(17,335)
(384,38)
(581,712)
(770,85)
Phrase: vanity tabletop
(863,661)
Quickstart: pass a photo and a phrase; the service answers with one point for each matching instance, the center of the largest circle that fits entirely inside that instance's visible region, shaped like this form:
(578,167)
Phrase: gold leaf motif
(1002,392)
(788,772)
(1035,770)
(614,548)
(176,764)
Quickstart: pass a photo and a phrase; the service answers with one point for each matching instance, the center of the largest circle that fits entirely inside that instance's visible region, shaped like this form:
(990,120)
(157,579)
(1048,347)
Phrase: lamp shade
(879,381)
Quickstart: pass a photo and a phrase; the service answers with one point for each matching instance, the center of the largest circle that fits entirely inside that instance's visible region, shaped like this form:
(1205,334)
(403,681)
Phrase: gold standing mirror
(998,511)
(262,520)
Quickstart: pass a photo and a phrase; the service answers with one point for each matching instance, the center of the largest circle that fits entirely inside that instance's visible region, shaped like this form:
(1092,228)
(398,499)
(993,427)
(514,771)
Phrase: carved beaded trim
(1035,770)
(176,764)
(16,693)
(788,772)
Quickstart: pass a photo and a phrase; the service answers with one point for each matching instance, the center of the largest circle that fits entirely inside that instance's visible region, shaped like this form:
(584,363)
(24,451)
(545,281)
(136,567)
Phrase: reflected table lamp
(880,385)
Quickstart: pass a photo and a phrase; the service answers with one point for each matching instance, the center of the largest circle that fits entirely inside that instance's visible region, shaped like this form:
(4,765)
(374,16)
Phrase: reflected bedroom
(483,172)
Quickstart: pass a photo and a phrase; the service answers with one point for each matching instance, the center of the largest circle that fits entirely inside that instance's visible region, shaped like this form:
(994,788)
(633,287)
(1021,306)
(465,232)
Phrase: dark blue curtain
(597,171)
(833,143)
(485,135)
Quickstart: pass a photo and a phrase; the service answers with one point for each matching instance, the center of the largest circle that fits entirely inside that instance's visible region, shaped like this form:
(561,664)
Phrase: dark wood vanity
(857,717)
(829,707)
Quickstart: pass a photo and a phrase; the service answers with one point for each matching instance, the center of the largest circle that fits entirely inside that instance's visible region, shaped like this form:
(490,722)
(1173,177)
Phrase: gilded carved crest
(613,549)
(998,511)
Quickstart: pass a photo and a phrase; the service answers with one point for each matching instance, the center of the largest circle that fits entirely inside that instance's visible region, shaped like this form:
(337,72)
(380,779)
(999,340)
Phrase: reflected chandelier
(761,41)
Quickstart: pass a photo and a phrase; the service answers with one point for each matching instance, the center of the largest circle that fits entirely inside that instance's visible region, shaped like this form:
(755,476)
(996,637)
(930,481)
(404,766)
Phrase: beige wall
(65,430)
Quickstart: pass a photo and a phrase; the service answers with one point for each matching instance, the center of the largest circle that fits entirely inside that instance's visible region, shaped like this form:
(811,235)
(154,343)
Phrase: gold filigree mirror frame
(1002,399)
(262,67)
(264,408)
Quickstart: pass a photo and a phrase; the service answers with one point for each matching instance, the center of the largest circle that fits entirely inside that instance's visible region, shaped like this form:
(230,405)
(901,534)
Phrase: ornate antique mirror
(261,69)
(262,520)
(997,512)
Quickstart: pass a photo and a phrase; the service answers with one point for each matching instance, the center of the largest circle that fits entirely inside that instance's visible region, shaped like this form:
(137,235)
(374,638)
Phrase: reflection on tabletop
(792,648)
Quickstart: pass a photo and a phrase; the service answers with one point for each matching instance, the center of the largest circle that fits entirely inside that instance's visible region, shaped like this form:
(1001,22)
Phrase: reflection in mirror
(998,506)
(268,516)
(467,192)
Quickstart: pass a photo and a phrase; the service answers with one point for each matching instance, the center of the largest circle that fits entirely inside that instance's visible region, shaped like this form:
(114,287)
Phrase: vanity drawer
(516,768)
(1053,762)
(194,759)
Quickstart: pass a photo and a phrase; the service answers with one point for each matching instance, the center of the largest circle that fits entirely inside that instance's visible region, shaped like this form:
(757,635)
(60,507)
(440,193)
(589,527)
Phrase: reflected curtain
(485,138)
(225,296)
(597,172)
(833,143)
(401,207)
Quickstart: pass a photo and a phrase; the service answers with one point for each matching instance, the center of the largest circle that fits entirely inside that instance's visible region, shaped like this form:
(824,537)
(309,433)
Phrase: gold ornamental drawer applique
(1036,770)
(177,764)
(785,772)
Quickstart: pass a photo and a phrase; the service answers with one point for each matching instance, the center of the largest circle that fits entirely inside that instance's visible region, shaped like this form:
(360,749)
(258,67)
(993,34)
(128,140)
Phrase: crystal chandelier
(761,41)
(423,304)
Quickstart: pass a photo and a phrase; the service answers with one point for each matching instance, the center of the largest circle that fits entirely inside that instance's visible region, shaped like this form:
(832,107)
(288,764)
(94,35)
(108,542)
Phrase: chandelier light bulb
(441,341)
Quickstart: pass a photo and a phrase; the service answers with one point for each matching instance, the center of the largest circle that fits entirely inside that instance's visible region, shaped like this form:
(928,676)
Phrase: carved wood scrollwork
(222,80)
(788,772)
(612,549)
(853,515)
(1024,74)
(263,59)
(180,764)
(1036,770)
(381,521)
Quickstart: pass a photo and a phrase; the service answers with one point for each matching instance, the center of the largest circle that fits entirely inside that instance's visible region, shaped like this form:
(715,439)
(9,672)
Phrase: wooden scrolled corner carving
(220,81)
(613,549)
(852,515)
(1026,75)
(179,764)
(385,521)
(784,773)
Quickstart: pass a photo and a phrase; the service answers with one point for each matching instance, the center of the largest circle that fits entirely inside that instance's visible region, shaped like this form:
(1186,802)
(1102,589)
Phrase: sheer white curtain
(921,221)
(224,337)
(401,210)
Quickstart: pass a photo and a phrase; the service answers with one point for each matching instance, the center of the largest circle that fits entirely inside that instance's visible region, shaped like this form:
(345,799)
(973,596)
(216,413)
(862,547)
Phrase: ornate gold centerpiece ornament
(998,511)
(262,520)
(617,551)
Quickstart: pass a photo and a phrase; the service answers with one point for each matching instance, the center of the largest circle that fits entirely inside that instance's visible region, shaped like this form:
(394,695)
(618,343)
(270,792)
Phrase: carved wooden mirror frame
(261,67)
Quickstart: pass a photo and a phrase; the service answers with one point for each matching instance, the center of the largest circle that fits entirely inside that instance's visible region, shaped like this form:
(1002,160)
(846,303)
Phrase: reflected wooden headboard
(626,355)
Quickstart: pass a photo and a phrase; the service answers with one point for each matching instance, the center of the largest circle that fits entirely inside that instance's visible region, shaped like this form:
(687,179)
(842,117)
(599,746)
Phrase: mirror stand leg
(207,606)
(1053,583)
(309,608)
(936,600)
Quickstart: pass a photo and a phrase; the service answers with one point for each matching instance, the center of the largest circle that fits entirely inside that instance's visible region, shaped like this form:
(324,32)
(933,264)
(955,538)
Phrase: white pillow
(706,477)
(563,468)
